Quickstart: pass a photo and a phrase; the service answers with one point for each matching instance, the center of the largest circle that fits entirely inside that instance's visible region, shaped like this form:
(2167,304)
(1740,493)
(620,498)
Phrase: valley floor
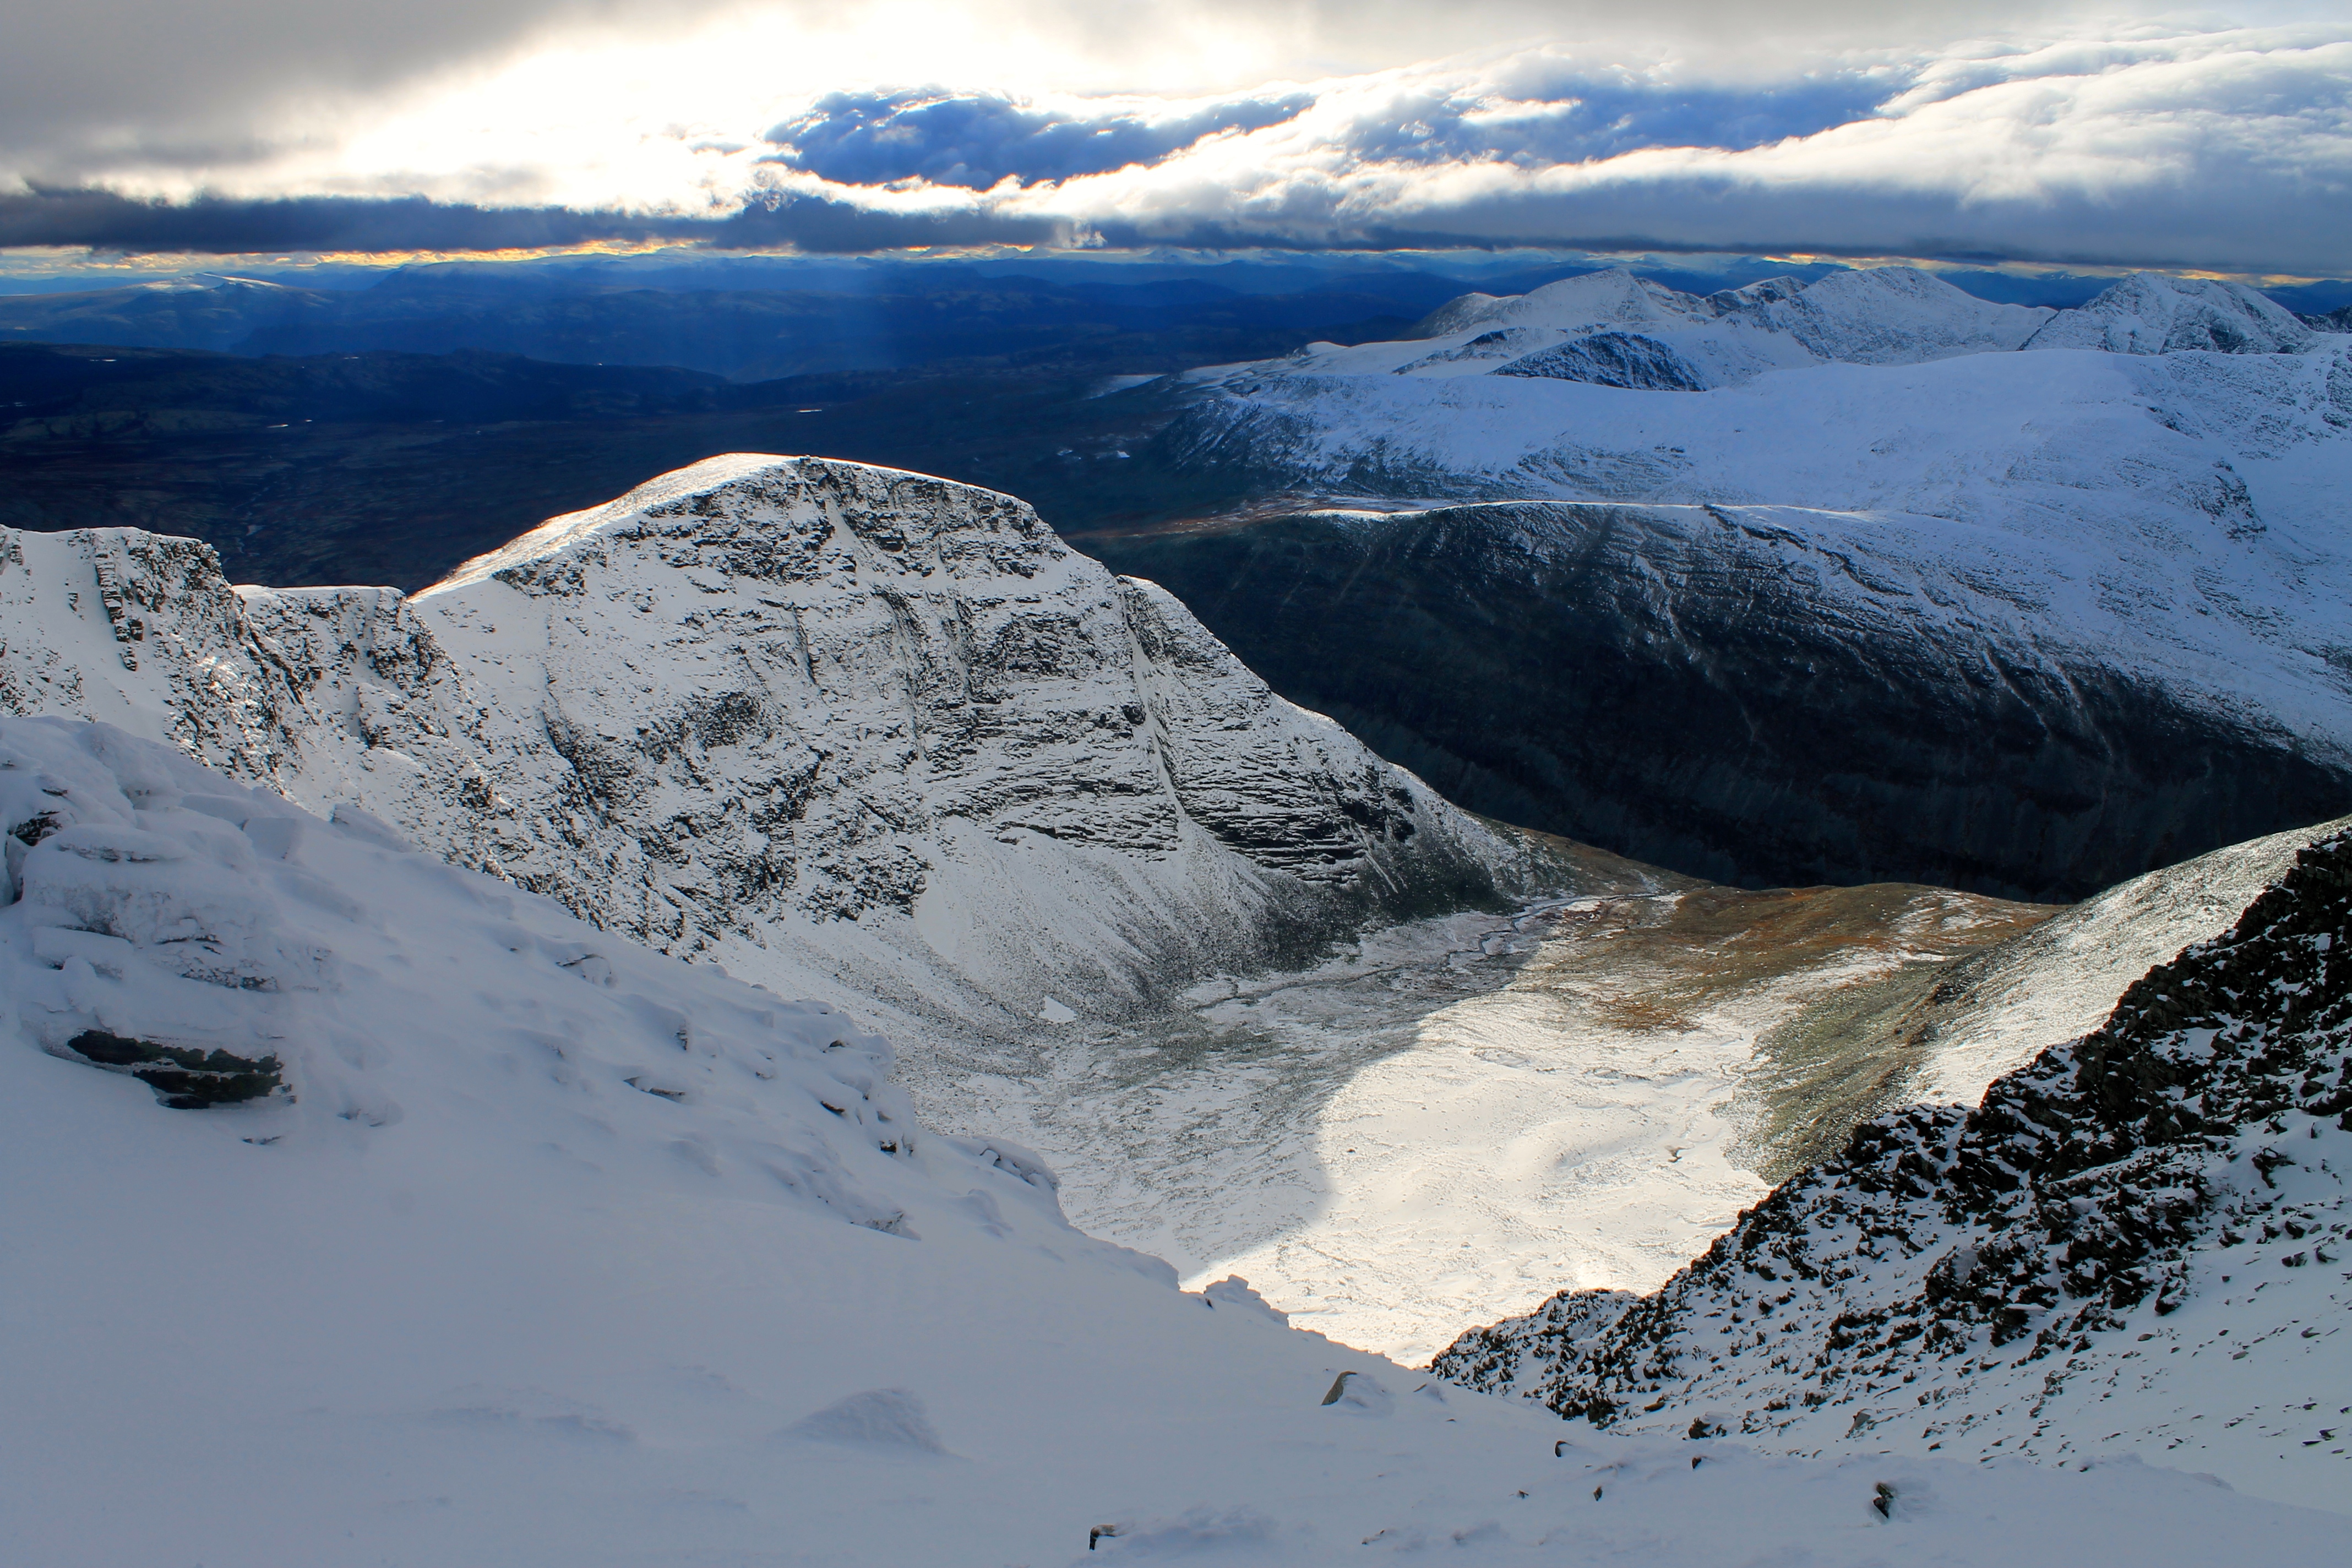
(1460,1116)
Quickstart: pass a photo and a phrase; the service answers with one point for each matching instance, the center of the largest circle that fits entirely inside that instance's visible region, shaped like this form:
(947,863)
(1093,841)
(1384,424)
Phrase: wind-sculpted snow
(2139,1239)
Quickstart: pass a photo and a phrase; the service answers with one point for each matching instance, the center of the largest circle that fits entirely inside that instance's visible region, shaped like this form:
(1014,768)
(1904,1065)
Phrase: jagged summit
(769,688)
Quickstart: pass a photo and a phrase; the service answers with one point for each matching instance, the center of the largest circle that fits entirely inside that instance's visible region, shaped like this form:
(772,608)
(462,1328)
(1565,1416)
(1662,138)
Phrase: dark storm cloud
(103,220)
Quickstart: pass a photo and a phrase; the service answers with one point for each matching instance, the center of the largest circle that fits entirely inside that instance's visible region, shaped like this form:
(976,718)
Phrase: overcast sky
(2084,135)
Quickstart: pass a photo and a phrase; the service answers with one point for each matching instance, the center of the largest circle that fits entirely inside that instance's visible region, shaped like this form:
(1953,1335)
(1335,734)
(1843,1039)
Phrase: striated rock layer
(2138,1240)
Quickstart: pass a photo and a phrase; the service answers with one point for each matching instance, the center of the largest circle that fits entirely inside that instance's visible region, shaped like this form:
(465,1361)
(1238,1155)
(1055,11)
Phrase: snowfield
(1266,1003)
(506,1239)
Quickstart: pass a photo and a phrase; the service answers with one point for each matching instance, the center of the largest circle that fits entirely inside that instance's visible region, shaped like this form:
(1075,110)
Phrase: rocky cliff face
(809,717)
(1771,695)
(2137,1233)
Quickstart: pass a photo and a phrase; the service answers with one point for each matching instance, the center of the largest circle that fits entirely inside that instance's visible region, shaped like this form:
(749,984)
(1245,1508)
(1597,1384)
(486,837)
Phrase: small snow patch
(1359,1394)
(882,1418)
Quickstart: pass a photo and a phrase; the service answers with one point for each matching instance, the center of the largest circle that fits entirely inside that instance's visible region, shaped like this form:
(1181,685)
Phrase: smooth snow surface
(1459,1115)
(566,1253)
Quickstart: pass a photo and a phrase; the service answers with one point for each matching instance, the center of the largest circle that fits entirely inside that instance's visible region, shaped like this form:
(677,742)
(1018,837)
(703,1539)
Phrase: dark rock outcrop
(1612,359)
(181,1077)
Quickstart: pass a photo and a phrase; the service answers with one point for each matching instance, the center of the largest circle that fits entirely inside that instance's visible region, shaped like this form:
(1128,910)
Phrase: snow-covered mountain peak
(1615,328)
(2151,313)
(836,724)
(999,678)
(1763,291)
(1615,297)
(786,520)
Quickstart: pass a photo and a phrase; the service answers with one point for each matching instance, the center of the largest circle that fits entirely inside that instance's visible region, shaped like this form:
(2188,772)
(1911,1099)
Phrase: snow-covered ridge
(1615,329)
(1998,1010)
(1587,328)
(2149,313)
(2134,1243)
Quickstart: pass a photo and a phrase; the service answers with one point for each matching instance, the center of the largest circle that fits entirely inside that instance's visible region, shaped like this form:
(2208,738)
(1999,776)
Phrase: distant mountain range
(1863,578)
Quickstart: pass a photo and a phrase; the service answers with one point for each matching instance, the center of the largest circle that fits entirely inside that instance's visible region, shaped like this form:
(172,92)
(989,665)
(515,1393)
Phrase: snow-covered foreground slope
(2139,1242)
(546,1250)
